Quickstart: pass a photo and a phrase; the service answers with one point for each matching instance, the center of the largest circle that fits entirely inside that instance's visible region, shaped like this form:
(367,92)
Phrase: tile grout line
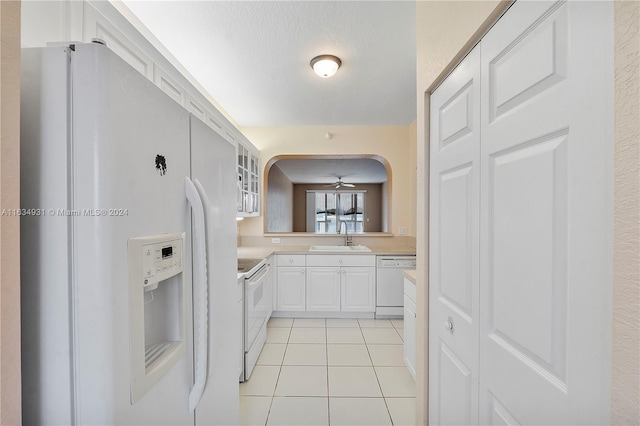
(384,399)
(328,393)
(278,378)
(326,348)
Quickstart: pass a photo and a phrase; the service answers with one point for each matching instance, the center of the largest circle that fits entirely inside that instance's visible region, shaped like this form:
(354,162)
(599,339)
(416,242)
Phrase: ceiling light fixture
(325,66)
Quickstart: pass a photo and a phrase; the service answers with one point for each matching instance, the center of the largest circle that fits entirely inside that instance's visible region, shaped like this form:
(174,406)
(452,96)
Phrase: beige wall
(10,385)
(391,142)
(625,356)
(445,29)
(412,188)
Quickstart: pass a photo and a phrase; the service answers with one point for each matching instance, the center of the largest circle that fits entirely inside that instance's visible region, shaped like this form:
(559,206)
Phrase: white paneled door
(454,234)
(546,169)
(520,222)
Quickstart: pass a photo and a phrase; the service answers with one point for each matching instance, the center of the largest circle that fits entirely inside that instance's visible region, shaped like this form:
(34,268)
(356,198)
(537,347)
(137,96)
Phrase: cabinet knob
(290,260)
(339,260)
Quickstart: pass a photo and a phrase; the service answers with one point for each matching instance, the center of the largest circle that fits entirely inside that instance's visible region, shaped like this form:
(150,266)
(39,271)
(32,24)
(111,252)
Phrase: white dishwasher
(390,284)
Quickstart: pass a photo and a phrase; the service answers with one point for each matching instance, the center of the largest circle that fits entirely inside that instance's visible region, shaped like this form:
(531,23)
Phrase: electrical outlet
(403,230)
(275,241)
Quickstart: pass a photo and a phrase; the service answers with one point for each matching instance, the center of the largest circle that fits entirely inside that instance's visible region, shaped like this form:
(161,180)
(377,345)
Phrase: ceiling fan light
(325,66)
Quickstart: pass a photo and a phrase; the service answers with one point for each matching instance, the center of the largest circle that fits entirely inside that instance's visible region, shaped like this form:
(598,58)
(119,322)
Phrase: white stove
(257,310)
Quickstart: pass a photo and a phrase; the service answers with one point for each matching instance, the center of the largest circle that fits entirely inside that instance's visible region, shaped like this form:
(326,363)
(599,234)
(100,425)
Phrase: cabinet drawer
(291,260)
(340,260)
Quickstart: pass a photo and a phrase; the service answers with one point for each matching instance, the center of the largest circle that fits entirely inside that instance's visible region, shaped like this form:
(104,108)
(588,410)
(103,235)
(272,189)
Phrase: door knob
(449,324)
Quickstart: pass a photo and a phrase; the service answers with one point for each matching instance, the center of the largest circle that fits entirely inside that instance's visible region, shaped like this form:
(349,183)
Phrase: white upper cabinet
(248,201)
(169,85)
(83,21)
(196,107)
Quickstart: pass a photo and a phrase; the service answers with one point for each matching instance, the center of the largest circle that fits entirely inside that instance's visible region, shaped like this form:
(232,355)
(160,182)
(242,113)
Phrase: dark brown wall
(372,206)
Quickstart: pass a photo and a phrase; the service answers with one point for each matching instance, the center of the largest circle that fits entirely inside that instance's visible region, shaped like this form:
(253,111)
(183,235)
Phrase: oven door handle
(256,278)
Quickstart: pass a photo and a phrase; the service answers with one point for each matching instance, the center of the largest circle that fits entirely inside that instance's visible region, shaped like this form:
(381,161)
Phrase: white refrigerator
(128,246)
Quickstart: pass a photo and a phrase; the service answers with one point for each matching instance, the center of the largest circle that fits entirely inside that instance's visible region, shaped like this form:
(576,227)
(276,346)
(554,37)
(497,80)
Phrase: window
(326,210)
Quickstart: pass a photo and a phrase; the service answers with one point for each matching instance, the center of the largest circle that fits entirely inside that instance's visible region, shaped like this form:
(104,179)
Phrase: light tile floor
(330,372)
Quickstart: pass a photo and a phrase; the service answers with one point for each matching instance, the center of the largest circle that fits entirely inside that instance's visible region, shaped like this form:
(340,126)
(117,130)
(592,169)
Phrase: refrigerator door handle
(200,293)
(211,273)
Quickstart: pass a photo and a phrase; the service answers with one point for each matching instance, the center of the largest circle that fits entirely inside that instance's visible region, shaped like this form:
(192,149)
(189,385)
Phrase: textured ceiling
(353,170)
(253,57)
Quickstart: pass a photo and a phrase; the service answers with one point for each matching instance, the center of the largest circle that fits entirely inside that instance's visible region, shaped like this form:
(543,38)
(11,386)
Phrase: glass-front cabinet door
(248,198)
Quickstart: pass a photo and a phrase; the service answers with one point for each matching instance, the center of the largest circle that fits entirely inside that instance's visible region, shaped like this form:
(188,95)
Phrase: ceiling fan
(340,184)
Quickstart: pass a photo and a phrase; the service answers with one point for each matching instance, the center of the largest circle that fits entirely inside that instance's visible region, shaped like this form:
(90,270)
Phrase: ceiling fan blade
(340,184)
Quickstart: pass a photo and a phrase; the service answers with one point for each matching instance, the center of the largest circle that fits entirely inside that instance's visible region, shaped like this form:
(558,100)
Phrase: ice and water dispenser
(156,303)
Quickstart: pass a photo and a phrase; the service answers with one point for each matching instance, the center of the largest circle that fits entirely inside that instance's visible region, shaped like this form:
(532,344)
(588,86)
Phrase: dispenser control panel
(162,258)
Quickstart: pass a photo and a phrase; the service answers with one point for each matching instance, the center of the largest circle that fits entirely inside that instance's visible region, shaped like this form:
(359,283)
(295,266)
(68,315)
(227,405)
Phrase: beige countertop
(411,275)
(260,252)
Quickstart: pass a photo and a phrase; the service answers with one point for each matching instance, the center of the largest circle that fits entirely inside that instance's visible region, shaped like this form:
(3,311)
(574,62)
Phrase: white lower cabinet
(328,283)
(291,289)
(357,289)
(346,289)
(291,282)
(323,289)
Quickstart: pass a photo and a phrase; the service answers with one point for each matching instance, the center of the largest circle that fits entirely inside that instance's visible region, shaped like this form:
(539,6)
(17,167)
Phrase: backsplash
(387,240)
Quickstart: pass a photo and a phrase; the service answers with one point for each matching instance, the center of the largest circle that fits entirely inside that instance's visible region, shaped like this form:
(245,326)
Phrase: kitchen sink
(340,249)
(360,248)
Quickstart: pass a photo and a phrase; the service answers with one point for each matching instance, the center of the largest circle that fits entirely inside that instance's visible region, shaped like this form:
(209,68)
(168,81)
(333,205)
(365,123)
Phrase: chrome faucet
(347,238)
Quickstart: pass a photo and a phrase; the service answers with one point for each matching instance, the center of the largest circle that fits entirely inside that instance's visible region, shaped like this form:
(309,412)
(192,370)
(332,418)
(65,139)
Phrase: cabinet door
(97,26)
(358,289)
(243,179)
(410,336)
(323,289)
(291,289)
(248,182)
(254,187)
